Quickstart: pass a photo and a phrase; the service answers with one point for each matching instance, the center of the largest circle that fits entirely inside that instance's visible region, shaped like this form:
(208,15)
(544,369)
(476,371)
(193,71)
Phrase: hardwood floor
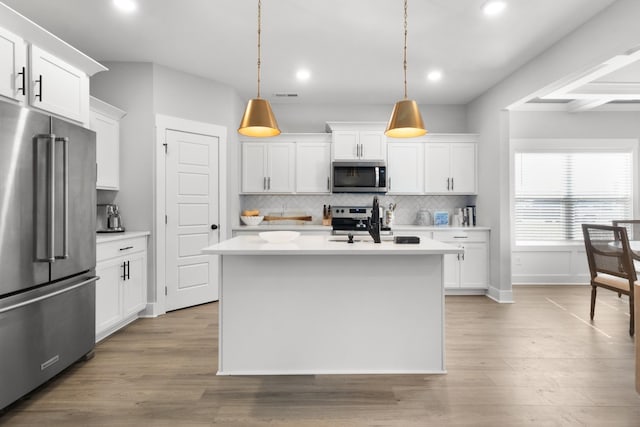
(538,362)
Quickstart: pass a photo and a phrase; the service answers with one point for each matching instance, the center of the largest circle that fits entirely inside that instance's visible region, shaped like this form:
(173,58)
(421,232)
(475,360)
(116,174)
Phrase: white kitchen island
(317,306)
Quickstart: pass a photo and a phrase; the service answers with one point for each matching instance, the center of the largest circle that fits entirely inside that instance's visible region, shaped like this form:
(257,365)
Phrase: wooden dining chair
(633,230)
(610,263)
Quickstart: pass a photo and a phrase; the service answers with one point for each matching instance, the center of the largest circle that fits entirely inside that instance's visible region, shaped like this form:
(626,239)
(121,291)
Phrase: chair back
(608,251)
(632,226)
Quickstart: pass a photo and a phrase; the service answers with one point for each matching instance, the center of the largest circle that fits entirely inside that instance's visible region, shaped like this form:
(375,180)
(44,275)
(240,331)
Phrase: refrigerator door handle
(51,194)
(65,198)
(47,296)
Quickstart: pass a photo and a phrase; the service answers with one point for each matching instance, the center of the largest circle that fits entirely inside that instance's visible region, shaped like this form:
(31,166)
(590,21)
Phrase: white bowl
(251,220)
(279,236)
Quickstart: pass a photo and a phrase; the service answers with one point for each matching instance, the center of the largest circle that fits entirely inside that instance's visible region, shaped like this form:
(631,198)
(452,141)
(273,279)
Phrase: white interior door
(193,209)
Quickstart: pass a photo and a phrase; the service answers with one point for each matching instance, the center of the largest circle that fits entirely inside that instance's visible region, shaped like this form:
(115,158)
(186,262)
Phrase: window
(557,191)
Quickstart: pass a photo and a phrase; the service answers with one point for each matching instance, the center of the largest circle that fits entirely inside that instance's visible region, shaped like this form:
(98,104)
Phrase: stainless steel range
(353,220)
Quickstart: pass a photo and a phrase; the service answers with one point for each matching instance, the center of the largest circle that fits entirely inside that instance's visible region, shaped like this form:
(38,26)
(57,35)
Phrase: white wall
(589,124)
(612,32)
(191,97)
(144,90)
(294,117)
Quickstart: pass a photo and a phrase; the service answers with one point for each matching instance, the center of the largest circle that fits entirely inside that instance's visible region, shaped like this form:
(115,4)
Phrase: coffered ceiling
(351,48)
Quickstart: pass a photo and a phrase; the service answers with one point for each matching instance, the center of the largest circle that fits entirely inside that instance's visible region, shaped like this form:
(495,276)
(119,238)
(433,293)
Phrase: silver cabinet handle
(65,198)
(448,179)
(268,183)
(389,181)
(361,150)
(452,190)
(264,182)
(328,183)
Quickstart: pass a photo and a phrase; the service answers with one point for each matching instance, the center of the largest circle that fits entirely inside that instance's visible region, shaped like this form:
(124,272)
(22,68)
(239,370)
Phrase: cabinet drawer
(460,236)
(108,250)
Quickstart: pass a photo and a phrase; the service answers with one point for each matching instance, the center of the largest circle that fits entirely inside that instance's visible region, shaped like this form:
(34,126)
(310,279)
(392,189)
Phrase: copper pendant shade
(406,120)
(258,119)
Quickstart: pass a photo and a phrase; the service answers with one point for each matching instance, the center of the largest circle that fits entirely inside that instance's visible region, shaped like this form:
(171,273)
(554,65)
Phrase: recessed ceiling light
(303,75)
(494,7)
(127,6)
(434,76)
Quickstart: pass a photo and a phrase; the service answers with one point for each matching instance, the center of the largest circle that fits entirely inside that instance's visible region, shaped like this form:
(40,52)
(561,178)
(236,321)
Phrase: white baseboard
(501,296)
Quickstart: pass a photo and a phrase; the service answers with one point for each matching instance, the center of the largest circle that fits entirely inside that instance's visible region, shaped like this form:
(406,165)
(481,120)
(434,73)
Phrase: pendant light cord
(404,54)
(259,31)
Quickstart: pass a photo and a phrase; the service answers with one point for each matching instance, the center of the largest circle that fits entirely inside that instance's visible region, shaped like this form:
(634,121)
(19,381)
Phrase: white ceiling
(353,48)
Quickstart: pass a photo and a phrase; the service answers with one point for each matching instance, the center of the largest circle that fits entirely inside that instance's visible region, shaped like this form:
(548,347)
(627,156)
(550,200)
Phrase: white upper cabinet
(358,145)
(268,167)
(104,120)
(405,167)
(13,66)
(313,167)
(450,168)
(45,73)
(58,87)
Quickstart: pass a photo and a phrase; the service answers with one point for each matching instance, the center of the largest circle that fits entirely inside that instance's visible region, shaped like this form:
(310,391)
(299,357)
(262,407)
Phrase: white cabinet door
(360,145)
(280,167)
(13,66)
(463,168)
(254,167)
(372,145)
(437,178)
(134,284)
(405,168)
(474,266)
(108,294)
(451,271)
(345,145)
(450,168)
(58,87)
(268,167)
(107,132)
(313,167)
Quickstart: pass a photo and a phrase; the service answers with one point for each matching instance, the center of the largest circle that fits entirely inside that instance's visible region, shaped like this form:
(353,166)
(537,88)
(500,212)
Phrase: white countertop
(326,245)
(111,237)
(317,227)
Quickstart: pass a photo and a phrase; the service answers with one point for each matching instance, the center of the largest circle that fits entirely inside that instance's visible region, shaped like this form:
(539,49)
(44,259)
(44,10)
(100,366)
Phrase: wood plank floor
(538,362)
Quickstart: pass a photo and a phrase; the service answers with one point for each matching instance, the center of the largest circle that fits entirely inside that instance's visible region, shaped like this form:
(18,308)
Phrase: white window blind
(556,192)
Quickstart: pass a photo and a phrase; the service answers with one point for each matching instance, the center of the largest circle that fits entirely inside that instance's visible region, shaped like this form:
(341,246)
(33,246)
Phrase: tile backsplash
(405,213)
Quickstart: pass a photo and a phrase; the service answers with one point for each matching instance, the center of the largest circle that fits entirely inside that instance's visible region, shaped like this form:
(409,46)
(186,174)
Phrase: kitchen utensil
(288,218)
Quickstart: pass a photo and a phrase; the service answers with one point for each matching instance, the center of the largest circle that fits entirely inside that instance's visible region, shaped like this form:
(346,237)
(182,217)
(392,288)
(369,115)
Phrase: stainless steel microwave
(359,176)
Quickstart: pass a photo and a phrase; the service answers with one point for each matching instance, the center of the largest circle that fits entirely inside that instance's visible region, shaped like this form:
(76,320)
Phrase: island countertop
(327,245)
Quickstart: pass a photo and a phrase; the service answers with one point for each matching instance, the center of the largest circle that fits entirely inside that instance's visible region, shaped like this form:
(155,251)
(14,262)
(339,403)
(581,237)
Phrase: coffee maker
(108,219)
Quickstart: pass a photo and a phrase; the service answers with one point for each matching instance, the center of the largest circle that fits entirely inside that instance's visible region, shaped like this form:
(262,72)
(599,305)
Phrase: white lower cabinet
(121,291)
(469,270)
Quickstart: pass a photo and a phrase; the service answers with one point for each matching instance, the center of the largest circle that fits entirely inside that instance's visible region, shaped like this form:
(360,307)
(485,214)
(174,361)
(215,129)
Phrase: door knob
(214,226)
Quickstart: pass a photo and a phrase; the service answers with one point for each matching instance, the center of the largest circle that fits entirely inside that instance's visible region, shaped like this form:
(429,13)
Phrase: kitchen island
(320,306)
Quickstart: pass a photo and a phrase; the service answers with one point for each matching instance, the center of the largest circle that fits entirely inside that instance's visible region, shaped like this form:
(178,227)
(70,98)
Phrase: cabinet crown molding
(35,34)
(291,137)
(356,126)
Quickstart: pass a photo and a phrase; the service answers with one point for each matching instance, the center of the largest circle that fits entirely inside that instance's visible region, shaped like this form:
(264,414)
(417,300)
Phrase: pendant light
(258,119)
(405,121)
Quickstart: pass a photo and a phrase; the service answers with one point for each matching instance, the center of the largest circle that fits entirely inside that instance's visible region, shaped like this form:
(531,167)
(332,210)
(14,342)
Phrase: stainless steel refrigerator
(47,248)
